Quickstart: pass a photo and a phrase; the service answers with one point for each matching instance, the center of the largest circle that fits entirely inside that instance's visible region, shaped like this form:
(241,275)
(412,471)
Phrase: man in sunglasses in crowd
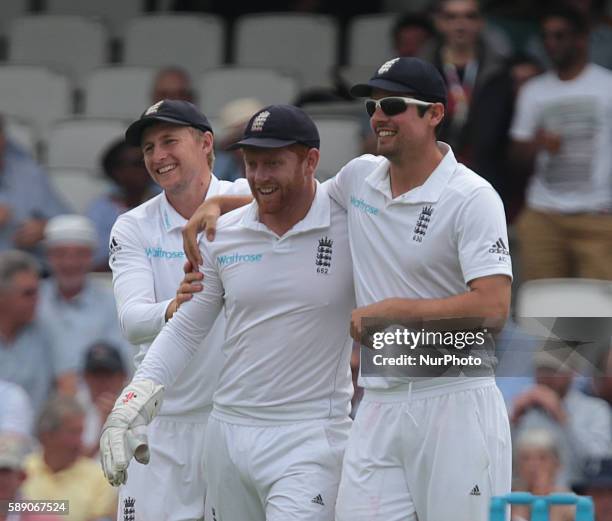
(428,239)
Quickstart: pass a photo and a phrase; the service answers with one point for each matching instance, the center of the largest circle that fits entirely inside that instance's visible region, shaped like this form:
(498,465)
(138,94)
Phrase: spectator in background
(16,415)
(598,484)
(26,198)
(479,89)
(60,471)
(25,350)
(537,471)
(132,186)
(522,68)
(172,83)
(105,376)
(12,475)
(74,310)
(229,165)
(600,34)
(580,424)
(562,129)
(410,33)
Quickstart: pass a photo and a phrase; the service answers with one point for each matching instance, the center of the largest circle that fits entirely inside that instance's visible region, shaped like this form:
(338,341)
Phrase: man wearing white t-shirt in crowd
(563,125)
(147,263)
(282,268)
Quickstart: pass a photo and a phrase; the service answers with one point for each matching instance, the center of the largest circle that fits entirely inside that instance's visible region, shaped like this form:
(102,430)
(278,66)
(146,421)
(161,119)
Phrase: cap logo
(387,65)
(153,108)
(259,121)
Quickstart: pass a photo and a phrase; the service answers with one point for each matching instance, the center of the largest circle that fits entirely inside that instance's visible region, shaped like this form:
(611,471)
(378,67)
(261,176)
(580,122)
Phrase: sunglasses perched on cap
(394,105)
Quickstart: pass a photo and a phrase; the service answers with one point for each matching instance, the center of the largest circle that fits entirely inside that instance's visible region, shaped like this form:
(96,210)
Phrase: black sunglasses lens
(370,106)
(393,106)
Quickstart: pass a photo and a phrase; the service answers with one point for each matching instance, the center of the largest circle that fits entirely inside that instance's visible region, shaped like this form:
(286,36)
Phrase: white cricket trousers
(274,472)
(172,487)
(436,454)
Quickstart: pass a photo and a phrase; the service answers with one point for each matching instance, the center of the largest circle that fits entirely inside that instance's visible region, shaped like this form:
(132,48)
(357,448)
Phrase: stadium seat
(217,87)
(340,142)
(35,94)
(113,13)
(104,278)
(79,143)
(572,297)
(571,316)
(369,39)
(20,132)
(303,44)
(352,74)
(72,45)
(77,187)
(196,42)
(9,10)
(118,92)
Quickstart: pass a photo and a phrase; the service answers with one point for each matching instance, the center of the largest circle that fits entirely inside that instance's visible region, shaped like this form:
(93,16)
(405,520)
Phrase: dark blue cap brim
(364,90)
(133,135)
(267,142)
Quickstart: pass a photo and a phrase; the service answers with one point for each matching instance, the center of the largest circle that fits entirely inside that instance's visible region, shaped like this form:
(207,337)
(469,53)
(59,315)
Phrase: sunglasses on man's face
(393,106)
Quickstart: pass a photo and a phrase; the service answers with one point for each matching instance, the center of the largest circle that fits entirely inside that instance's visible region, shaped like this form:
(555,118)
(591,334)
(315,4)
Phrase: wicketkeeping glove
(123,434)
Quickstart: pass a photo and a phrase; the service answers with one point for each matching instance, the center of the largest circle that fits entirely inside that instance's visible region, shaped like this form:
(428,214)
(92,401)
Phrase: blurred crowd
(530,110)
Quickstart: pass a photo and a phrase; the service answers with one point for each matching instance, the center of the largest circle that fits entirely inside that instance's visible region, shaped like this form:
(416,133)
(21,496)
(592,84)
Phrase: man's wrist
(170,310)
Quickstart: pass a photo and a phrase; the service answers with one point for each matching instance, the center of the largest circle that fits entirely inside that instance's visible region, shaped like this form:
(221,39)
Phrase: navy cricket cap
(279,126)
(103,357)
(178,112)
(413,76)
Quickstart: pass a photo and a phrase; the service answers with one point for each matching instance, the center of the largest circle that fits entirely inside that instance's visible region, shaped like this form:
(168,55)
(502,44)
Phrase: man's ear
(436,112)
(208,142)
(312,160)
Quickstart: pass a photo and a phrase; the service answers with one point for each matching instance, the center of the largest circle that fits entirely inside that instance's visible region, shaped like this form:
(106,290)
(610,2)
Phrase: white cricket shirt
(147,258)
(425,244)
(287,301)
(578,178)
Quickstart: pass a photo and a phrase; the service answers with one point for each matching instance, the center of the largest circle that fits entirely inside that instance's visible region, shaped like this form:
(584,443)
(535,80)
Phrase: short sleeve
(483,236)
(525,120)
(339,186)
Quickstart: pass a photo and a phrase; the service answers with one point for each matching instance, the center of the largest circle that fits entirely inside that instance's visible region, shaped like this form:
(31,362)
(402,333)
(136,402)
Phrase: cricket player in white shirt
(147,261)
(282,268)
(428,240)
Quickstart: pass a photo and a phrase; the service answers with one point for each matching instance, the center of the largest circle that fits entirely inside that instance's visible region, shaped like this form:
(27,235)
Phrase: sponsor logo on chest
(363,206)
(235,258)
(160,253)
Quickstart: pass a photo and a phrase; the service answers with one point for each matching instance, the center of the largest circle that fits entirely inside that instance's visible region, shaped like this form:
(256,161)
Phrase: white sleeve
(184,333)
(238,187)
(16,413)
(482,236)
(141,317)
(525,119)
(339,186)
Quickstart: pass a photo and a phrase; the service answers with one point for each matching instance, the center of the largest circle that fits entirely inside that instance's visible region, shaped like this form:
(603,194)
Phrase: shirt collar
(430,191)
(171,218)
(318,216)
